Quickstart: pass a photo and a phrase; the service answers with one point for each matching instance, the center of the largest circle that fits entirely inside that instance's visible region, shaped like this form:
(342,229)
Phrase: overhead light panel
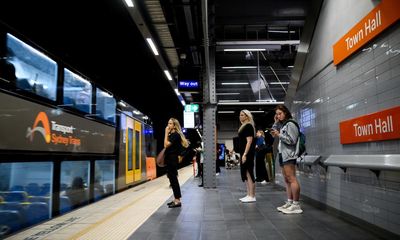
(240,67)
(152,46)
(244,49)
(226,111)
(228,93)
(168,75)
(257,111)
(235,83)
(129,3)
(280,31)
(278,83)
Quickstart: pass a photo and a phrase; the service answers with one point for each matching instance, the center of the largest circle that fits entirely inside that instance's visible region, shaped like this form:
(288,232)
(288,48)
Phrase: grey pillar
(210,105)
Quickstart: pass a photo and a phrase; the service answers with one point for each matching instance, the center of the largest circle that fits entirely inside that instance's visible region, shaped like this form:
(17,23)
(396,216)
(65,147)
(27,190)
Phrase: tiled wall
(367,82)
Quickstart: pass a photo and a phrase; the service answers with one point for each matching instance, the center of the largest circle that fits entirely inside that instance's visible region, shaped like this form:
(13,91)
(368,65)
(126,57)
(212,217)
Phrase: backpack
(301,139)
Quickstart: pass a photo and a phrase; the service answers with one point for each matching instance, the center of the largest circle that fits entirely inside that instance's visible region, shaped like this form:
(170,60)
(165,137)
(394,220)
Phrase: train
(65,141)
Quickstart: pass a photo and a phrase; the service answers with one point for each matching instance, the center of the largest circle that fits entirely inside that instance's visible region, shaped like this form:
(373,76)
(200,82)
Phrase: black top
(175,147)
(247,131)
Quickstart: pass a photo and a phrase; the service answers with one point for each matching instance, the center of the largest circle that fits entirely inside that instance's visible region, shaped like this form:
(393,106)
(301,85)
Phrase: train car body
(65,142)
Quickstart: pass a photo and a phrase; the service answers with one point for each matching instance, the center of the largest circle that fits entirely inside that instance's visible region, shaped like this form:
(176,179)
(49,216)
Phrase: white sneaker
(243,198)
(293,209)
(248,199)
(284,206)
(264,182)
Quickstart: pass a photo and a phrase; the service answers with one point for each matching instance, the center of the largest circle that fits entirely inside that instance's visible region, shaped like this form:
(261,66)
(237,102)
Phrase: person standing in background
(261,147)
(174,140)
(246,134)
(288,134)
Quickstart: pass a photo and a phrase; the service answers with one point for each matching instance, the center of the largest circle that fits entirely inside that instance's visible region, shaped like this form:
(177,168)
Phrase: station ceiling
(103,42)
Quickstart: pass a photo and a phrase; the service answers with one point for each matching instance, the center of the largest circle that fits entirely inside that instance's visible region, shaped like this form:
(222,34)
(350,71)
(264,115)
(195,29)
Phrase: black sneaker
(174,205)
(170,203)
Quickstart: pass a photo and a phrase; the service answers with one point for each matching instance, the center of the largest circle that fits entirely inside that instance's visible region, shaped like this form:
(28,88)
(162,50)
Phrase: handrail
(375,162)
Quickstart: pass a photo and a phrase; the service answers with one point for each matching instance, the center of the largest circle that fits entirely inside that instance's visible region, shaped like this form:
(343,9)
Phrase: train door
(138,151)
(129,155)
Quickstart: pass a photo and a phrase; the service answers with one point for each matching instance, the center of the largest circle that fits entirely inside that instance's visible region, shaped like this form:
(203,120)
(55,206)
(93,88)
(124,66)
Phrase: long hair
(178,129)
(249,119)
(285,110)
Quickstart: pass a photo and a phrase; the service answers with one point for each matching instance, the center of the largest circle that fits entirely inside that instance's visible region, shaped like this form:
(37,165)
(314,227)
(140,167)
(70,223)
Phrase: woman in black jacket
(174,140)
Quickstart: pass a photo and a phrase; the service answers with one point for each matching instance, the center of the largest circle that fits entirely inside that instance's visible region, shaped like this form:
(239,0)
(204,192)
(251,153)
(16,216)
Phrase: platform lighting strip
(152,46)
(228,93)
(240,67)
(257,111)
(249,103)
(278,83)
(226,111)
(280,31)
(231,100)
(244,49)
(235,83)
(129,3)
(166,72)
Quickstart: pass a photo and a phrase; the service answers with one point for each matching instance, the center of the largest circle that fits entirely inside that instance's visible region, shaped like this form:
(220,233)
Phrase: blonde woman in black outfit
(247,148)
(173,142)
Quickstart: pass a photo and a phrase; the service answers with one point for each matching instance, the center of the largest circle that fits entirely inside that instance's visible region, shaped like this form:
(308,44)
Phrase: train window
(130,143)
(74,185)
(104,178)
(34,71)
(25,194)
(137,149)
(77,92)
(105,105)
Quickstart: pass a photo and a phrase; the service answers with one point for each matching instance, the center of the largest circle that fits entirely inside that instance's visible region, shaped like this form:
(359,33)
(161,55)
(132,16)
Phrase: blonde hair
(262,132)
(248,121)
(178,129)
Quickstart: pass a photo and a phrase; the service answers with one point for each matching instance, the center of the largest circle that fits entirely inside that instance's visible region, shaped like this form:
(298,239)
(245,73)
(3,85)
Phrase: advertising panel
(25,125)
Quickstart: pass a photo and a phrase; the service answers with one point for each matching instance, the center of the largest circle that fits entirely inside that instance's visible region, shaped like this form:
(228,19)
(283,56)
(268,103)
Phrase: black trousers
(261,170)
(172,174)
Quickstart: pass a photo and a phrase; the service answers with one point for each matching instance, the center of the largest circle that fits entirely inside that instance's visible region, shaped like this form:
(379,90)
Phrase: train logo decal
(44,130)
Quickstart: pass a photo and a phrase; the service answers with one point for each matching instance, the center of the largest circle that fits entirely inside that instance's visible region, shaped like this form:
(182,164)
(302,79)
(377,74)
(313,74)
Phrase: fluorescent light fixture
(183,103)
(235,83)
(228,93)
(278,83)
(232,100)
(249,103)
(176,91)
(121,103)
(266,100)
(244,49)
(226,111)
(136,112)
(290,66)
(129,3)
(280,31)
(152,46)
(240,67)
(257,111)
(166,72)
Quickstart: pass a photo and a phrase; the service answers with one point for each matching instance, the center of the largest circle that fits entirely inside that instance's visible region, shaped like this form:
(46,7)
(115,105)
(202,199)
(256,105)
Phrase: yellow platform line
(99,230)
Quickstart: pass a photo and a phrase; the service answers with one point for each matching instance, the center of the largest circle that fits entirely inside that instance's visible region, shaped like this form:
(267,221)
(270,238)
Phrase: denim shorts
(281,163)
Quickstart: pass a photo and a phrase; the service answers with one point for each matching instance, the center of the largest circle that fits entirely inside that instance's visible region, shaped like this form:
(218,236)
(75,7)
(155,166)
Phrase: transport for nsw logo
(44,129)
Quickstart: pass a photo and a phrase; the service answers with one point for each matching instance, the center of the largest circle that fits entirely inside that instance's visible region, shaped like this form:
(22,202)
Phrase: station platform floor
(141,213)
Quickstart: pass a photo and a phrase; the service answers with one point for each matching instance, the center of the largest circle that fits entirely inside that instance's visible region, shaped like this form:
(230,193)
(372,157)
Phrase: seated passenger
(76,193)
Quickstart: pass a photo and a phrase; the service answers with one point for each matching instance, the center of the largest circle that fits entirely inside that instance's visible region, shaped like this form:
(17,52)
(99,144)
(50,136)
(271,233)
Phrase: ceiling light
(152,46)
(228,101)
(228,93)
(129,3)
(278,83)
(235,83)
(240,67)
(266,100)
(176,91)
(249,103)
(244,49)
(183,103)
(226,111)
(290,66)
(257,111)
(280,31)
(166,72)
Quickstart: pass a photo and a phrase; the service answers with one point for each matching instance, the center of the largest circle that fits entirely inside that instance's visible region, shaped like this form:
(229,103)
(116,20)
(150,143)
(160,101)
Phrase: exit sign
(192,108)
